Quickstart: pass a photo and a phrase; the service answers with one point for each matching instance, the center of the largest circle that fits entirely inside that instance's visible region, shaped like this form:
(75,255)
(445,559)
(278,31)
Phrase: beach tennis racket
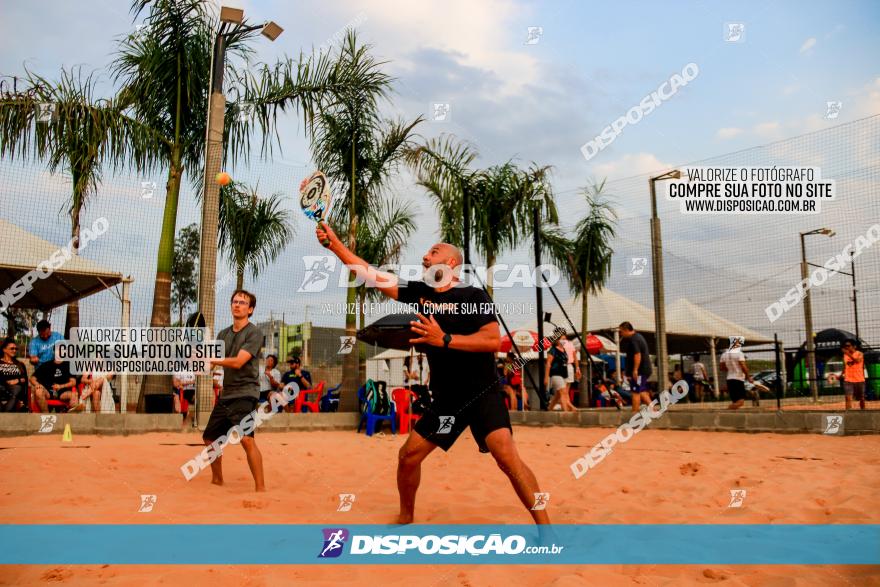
(315,198)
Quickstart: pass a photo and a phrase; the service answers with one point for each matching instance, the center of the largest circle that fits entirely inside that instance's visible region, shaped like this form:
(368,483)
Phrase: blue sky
(532,102)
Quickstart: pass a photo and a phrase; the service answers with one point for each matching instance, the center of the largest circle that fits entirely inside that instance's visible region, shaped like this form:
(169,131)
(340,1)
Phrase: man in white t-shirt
(733,361)
(270,378)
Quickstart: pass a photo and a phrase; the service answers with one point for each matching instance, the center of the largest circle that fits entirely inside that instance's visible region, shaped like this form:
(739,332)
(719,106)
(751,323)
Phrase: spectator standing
(554,379)
(853,374)
(701,377)
(638,364)
(733,362)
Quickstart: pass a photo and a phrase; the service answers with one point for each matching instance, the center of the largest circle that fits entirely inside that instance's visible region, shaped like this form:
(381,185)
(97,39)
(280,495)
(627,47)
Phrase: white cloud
(808,44)
(481,34)
(767,129)
(728,132)
(631,164)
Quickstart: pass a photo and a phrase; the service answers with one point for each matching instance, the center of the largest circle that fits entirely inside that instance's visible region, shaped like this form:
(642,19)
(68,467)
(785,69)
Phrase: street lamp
(231,22)
(808,313)
(659,295)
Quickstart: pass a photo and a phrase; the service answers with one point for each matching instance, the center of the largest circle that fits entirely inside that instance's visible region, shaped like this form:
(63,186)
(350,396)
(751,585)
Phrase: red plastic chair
(314,405)
(402,399)
(57,404)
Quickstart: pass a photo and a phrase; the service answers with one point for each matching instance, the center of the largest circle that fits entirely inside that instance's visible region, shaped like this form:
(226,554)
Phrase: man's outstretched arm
(384,282)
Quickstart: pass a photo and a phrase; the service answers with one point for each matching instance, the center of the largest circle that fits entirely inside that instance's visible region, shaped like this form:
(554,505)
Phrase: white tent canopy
(75,279)
(388,366)
(685,317)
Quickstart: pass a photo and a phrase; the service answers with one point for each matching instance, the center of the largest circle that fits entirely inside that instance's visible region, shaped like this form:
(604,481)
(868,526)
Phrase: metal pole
(617,355)
(855,295)
(712,354)
(659,296)
(778,372)
(539,299)
(211,209)
(125,323)
(808,325)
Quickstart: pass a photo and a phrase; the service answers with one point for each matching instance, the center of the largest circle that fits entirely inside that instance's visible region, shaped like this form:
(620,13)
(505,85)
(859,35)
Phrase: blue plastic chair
(330,400)
(367,396)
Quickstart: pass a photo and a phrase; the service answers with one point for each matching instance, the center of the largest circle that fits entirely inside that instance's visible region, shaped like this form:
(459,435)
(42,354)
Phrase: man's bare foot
(261,489)
(404,519)
(216,481)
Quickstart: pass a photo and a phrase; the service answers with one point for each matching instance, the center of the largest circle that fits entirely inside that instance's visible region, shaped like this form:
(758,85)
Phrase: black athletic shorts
(226,414)
(449,415)
(736,389)
(188,394)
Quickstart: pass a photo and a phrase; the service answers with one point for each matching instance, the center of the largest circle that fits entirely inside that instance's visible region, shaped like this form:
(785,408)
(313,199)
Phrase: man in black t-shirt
(52,380)
(457,325)
(638,363)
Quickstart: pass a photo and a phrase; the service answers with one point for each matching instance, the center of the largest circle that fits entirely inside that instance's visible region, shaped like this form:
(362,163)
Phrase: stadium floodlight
(271,30)
(231,15)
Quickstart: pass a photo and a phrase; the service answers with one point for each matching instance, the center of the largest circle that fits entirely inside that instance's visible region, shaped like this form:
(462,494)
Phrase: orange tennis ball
(223,178)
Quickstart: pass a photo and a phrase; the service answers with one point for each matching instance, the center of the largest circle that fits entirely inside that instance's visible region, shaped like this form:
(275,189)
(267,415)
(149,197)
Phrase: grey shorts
(557,382)
(855,389)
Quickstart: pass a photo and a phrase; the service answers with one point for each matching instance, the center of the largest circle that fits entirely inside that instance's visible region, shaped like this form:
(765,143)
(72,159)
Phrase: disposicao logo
(334,540)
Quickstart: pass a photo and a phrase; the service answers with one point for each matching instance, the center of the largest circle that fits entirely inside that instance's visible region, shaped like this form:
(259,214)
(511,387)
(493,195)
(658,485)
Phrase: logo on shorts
(737,497)
(541,500)
(446,424)
(47,423)
(147,503)
(346,500)
(334,540)
(833,424)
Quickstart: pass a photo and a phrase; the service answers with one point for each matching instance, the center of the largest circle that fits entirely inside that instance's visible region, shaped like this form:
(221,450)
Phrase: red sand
(658,477)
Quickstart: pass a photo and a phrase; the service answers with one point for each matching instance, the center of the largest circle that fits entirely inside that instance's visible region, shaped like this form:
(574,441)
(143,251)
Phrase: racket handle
(326,242)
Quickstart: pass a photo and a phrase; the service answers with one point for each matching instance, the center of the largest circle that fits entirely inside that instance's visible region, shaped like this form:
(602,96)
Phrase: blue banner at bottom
(836,544)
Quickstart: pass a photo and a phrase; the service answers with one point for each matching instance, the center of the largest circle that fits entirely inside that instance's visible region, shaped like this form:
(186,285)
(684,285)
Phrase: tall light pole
(659,294)
(231,22)
(808,314)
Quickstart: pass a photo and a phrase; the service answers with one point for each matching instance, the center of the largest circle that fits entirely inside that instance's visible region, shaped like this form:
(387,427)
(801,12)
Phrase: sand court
(658,477)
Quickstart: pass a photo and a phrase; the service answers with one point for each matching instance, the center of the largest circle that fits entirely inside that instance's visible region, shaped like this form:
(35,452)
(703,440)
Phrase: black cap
(43,324)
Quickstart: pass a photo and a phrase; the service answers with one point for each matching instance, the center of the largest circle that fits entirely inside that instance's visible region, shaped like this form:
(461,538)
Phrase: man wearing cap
(296,374)
(42,349)
(733,361)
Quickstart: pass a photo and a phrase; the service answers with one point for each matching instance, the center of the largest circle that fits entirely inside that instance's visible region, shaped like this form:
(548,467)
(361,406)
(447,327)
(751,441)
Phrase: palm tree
(359,152)
(79,135)
(443,168)
(501,197)
(253,230)
(164,72)
(586,257)
(184,273)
